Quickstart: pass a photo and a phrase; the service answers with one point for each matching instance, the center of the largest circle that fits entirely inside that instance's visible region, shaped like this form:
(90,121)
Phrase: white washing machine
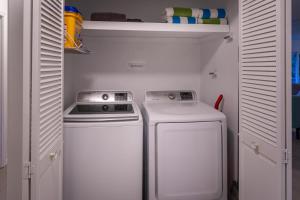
(185,148)
(103,147)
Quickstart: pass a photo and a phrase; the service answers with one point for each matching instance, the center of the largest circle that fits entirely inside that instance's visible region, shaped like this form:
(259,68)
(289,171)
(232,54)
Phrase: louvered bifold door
(262,100)
(47,100)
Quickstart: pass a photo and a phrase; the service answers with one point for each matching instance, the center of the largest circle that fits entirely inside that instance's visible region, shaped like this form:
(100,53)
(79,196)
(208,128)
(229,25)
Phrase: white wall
(69,80)
(169,64)
(222,57)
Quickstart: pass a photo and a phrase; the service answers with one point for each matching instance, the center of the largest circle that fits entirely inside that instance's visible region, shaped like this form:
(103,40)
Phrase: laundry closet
(247,61)
(140,61)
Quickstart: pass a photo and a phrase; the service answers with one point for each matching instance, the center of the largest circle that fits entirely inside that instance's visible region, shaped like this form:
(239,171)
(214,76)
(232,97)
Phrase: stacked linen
(194,20)
(181,20)
(182,12)
(195,12)
(221,21)
(178,15)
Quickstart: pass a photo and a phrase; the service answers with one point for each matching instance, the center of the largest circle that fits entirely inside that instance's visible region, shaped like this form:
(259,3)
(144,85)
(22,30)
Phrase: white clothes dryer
(185,148)
(103,147)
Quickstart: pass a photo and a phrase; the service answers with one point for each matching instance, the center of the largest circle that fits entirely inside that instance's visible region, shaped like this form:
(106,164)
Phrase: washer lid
(181,112)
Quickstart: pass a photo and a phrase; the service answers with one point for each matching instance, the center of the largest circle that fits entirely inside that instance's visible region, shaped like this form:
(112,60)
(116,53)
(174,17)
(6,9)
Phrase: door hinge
(285,159)
(28,170)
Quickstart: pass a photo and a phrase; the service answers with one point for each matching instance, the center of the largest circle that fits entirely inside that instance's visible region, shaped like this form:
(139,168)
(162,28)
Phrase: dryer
(103,147)
(185,151)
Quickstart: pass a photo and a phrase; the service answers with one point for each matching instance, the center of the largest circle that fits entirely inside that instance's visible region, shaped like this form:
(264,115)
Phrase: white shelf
(77,50)
(142,29)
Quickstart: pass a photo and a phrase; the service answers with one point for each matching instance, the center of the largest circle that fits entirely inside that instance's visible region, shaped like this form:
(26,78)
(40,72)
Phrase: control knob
(105,107)
(171,96)
(105,96)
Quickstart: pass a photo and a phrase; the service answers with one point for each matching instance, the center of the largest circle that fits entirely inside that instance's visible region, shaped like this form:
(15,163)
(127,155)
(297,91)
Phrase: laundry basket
(73,26)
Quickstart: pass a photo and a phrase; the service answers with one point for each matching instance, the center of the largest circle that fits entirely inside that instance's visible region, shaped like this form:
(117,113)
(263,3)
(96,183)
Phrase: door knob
(255,147)
(53,156)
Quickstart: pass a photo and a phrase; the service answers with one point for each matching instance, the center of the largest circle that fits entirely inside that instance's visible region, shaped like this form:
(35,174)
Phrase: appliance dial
(171,96)
(105,107)
(105,96)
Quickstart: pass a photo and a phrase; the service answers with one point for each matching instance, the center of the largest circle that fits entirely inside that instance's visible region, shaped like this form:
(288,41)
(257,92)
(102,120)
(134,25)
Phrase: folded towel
(194,20)
(213,21)
(181,20)
(195,12)
(212,13)
(182,12)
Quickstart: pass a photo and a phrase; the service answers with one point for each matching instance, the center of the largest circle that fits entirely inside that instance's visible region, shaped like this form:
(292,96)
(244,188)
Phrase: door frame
(27,65)
(288,90)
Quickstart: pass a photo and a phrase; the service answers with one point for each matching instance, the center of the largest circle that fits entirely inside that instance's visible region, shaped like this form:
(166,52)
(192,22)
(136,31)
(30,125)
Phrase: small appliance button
(105,96)
(105,107)
(171,96)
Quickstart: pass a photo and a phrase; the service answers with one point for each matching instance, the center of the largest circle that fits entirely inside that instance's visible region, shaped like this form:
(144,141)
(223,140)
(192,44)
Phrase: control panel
(104,96)
(171,96)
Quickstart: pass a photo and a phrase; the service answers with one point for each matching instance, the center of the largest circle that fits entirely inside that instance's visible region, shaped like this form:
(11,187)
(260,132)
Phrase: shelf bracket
(228,37)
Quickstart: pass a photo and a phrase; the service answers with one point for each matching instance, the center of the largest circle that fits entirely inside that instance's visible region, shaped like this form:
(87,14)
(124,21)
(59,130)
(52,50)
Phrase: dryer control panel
(175,95)
(104,96)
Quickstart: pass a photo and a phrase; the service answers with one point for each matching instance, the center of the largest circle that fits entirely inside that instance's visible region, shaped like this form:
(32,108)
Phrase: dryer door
(189,161)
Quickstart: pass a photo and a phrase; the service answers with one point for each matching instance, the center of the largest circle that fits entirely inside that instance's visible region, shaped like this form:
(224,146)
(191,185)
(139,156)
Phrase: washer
(185,148)
(103,147)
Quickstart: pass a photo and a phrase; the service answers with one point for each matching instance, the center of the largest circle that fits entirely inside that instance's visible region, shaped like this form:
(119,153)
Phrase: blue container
(71,9)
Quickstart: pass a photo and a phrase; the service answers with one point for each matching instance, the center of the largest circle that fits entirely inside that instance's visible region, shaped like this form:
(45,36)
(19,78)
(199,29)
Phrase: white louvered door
(47,100)
(262,100)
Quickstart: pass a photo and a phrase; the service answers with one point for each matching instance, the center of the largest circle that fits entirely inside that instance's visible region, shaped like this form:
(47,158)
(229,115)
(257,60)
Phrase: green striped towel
(204,13)
(213,21)
(182,12)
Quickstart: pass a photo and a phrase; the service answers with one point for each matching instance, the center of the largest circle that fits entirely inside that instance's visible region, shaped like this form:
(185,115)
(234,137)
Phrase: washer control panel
(175,95)
(104,96)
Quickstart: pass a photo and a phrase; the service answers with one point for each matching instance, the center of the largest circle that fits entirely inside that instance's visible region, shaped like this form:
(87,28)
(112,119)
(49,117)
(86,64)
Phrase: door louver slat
(49,123)
(47,76)
(48,33)
(256,97)
(260,115)
(260,120)
(251,4)
(258,20)
(258,10)
(259,69)
(51,74)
